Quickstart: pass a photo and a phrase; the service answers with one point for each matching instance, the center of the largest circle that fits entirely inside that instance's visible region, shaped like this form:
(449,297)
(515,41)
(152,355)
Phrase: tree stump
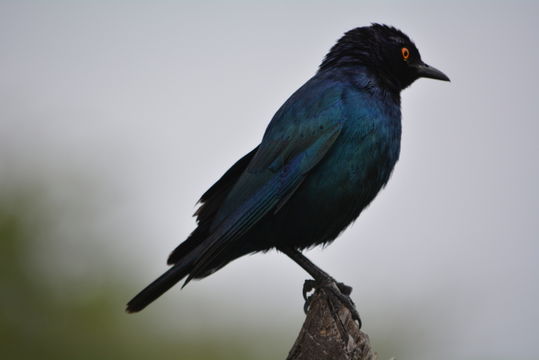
(330,333)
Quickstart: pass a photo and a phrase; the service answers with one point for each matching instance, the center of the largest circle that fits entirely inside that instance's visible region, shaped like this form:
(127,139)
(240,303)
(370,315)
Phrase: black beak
(426,71)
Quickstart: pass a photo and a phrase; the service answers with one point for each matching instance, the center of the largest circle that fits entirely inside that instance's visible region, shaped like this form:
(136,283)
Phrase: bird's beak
(426,71)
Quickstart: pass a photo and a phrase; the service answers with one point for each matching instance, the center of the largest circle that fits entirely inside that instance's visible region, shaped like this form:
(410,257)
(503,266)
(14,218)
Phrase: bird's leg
(322,279)
(319,275)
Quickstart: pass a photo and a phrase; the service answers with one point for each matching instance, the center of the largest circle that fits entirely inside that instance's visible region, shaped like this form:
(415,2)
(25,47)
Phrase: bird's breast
(344,183)
(368,148)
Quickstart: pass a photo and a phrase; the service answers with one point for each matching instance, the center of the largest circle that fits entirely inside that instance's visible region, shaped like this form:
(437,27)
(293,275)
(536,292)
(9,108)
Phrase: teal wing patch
(294,143)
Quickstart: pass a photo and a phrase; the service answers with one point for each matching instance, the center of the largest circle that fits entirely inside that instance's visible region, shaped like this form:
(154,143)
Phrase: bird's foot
(310,285)
(340,290)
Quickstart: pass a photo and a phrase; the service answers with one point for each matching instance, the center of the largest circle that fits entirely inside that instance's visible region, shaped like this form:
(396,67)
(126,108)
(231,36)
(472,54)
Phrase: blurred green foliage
(39,322)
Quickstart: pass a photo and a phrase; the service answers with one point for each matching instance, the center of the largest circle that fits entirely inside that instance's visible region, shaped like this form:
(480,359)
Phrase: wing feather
(295,142)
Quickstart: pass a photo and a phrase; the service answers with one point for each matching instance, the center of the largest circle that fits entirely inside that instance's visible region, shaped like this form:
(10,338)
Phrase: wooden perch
(330,333)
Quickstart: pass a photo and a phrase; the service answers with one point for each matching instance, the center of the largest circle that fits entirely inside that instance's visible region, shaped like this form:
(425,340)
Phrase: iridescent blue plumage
(324,156)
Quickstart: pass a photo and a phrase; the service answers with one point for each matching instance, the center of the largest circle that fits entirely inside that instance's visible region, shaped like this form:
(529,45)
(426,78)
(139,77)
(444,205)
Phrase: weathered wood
(330,333)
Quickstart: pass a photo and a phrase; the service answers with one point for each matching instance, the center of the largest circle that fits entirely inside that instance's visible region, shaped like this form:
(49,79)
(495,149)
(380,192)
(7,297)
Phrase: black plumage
(324,156)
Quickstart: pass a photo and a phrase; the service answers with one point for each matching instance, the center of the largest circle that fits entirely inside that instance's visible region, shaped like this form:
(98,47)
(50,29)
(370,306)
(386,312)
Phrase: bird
(325,155)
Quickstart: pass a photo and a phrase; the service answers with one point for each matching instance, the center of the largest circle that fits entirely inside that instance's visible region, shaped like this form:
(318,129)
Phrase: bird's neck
(375,83)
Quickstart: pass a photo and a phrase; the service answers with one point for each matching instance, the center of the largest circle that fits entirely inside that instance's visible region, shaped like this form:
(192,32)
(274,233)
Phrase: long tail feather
(158,287)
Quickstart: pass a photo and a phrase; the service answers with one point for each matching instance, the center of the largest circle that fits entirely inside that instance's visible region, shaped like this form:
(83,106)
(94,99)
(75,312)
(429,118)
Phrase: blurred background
(116,116)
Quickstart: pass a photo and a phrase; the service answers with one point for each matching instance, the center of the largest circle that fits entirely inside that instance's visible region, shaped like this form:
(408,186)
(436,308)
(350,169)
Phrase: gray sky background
(128,111)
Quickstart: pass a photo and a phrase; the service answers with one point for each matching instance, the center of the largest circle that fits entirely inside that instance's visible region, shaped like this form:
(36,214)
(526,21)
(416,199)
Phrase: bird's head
(385,51)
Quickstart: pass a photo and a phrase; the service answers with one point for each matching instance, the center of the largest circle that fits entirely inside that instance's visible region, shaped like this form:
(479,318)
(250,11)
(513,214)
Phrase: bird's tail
(159,286)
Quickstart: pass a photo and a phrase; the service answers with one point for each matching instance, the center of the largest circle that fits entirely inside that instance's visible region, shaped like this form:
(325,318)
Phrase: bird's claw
(345,289)
(340,290)
(345,300)
(308,286)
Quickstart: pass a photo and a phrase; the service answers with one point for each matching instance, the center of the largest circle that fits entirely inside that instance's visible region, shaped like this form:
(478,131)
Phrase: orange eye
(405,53)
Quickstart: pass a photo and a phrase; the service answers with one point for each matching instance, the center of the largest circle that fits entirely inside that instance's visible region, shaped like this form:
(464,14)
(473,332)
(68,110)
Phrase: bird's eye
(405,53)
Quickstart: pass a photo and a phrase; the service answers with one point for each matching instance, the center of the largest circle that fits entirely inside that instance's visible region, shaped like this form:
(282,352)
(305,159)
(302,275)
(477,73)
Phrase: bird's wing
(298,137)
